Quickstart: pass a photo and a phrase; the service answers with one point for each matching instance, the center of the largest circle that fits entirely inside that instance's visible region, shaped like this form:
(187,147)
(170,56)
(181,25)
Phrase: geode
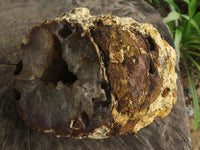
(94,76)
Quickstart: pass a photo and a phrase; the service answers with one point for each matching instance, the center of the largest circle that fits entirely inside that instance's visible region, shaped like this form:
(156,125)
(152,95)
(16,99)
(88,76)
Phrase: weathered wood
(17,18)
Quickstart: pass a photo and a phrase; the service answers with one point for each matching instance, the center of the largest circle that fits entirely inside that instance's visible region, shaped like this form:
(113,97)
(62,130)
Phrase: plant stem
(194,93)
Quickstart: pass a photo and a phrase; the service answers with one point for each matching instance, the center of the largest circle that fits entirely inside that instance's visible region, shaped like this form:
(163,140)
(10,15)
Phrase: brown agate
(94,76)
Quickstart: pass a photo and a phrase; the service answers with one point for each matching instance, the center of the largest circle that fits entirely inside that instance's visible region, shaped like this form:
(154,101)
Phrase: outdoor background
(183,19)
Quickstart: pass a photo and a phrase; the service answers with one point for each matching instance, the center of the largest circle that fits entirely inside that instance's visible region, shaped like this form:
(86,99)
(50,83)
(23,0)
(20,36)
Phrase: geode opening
(58,69)
(94,76)
(67,96)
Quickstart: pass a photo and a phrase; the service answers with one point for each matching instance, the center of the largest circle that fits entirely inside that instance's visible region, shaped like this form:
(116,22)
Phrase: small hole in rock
(16,94)
(151,44)
(58,71)
(85,118)
(18,69)
(77,124)
(65,31)
(67,76)
(103,85)
(152,68)
(165,92)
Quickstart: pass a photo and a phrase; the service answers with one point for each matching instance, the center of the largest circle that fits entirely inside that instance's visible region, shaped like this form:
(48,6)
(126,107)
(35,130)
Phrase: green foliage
(186,31)
(156,1)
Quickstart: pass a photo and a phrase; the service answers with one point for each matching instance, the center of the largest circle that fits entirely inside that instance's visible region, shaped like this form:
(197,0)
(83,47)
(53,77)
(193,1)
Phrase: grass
(185,28)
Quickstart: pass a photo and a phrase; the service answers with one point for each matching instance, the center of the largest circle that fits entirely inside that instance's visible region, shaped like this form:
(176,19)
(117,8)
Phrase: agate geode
(94,76)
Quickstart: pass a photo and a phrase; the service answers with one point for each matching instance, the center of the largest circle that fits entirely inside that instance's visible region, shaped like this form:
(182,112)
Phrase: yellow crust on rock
(161,106)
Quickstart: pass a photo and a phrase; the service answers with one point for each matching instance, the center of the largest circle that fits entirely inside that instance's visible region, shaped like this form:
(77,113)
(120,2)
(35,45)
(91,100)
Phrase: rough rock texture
(94,76)
(17,19)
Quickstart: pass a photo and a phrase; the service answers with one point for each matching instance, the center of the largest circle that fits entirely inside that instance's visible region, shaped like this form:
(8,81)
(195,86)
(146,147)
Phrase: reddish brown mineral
(94,76)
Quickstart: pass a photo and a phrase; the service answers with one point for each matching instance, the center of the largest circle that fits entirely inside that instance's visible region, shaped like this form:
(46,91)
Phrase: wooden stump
(17,18)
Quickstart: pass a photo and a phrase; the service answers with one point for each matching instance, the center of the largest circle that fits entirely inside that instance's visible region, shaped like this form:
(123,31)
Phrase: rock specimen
(94,76)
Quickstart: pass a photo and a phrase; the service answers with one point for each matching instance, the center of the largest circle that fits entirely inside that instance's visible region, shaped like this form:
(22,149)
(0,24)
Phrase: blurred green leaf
(198,75)
(172,16)
(187,1)
(193,61)
(177,41)
(195,47)
(197,18)
(158,3)
(192,7)
(172,3)
(194,94)
(193,53)
(193,22)
(192,42)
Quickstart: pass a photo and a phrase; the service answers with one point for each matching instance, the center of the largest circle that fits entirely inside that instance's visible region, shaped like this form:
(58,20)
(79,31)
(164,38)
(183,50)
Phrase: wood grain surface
(17,18)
